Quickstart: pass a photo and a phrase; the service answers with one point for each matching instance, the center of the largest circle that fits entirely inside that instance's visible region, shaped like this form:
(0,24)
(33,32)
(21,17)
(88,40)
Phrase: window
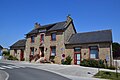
(32,39)
(53,36)
(42,38)
(77,49)
(32,51)
(94,52)
(53,51)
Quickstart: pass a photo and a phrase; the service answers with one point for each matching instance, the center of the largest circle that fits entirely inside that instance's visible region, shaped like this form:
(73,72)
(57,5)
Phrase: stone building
(18,49)
(54,40)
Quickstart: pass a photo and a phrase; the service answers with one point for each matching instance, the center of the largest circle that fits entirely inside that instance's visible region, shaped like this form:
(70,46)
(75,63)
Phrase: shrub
(52,59)
(111,67)
(68,60)
(6,53)
(12,58)
(92,63)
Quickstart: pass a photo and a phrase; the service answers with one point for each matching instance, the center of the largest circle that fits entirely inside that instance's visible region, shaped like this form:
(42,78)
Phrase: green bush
(12,58)
(111,67)
(92,63)
(67,61)
(107,75)
(6,53)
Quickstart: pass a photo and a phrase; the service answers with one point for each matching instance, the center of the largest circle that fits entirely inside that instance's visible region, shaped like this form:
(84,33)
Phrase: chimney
(37,25)
(69,19)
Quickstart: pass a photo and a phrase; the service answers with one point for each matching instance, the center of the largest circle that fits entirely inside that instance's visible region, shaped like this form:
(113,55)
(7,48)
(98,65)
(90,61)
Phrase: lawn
(107,75)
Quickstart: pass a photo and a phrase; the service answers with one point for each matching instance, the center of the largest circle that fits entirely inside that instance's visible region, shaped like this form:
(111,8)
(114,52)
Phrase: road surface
(26,73)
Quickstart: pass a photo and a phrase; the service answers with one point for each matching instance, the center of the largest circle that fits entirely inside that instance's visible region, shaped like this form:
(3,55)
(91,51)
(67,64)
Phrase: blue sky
(17,17)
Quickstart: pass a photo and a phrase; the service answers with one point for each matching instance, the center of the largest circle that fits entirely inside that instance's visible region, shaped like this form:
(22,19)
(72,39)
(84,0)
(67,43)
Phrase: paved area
(73,72)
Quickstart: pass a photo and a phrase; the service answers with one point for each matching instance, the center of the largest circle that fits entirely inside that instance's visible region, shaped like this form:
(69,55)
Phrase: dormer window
(53,36)
(32,39)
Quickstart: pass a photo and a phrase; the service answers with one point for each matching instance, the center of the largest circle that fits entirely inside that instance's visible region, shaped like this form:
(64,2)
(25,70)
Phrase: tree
(6,53)
(116,50)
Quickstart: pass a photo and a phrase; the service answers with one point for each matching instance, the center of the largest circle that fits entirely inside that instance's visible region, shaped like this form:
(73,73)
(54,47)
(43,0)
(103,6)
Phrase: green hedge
(12,58)
(92,63)
(67,61)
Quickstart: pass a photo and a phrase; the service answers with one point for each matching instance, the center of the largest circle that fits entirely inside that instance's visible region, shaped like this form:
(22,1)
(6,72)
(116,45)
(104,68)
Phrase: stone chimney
(37,25)
(69,19)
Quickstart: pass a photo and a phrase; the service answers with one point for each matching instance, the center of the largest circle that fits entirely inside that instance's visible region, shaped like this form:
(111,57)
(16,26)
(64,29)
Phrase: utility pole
(116,68)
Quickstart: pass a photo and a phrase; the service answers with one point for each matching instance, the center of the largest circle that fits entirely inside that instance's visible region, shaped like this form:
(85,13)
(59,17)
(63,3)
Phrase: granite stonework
(65,33)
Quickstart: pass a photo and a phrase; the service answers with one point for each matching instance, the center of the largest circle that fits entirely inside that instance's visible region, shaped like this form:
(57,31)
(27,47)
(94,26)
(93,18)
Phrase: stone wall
(59,43)
(104,50)
(68,32)
(17,55)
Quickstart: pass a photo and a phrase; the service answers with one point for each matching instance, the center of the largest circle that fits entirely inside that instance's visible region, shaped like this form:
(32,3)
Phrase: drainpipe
(111,55)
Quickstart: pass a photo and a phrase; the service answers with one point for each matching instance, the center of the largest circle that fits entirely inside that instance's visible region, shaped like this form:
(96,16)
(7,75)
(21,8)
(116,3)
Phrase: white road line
(22,66)
(13,66)
(7,76)
(2,68)
(7,67)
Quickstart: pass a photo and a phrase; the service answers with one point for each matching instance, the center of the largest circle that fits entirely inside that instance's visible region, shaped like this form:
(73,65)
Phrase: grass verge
(107,75)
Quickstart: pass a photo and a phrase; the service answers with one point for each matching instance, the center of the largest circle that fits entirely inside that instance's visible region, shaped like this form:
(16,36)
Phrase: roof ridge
(95,31)
(53,23)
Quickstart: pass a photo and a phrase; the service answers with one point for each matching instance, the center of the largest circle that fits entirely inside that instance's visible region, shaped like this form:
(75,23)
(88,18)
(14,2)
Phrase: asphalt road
(26,73)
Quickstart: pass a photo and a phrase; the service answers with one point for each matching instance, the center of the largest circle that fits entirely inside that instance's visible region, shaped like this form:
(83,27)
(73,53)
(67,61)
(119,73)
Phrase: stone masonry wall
(104,50)
(59,43)
(68,32)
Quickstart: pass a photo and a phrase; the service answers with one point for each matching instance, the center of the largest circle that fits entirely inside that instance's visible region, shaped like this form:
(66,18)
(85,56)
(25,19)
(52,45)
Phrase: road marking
(2,68)
(7,76)
(10,67)
(7,67)
(13,66)
(22,66)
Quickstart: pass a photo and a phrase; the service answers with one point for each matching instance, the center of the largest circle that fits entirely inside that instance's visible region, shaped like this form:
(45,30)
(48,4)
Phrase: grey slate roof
(58,26)
(91,37)
(50,27)
(20,44)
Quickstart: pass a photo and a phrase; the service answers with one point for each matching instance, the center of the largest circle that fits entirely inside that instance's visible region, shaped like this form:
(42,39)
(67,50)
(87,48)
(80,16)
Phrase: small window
(53,51)
(53,36)
(42,38)
(32,39)
(77,49)
(94,52)
(32,50)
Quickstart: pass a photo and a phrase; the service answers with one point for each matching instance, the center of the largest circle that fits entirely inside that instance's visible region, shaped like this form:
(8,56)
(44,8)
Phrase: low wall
(118,63)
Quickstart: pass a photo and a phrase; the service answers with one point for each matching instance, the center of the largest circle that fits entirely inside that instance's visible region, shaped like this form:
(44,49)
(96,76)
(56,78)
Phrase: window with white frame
(94,52)
(53,51)
(42,38)
(53,36)
(32,50)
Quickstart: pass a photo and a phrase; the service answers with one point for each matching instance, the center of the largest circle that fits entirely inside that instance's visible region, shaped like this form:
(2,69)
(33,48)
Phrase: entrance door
(42,51)
(22,55)
(77,55)
(77,58)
